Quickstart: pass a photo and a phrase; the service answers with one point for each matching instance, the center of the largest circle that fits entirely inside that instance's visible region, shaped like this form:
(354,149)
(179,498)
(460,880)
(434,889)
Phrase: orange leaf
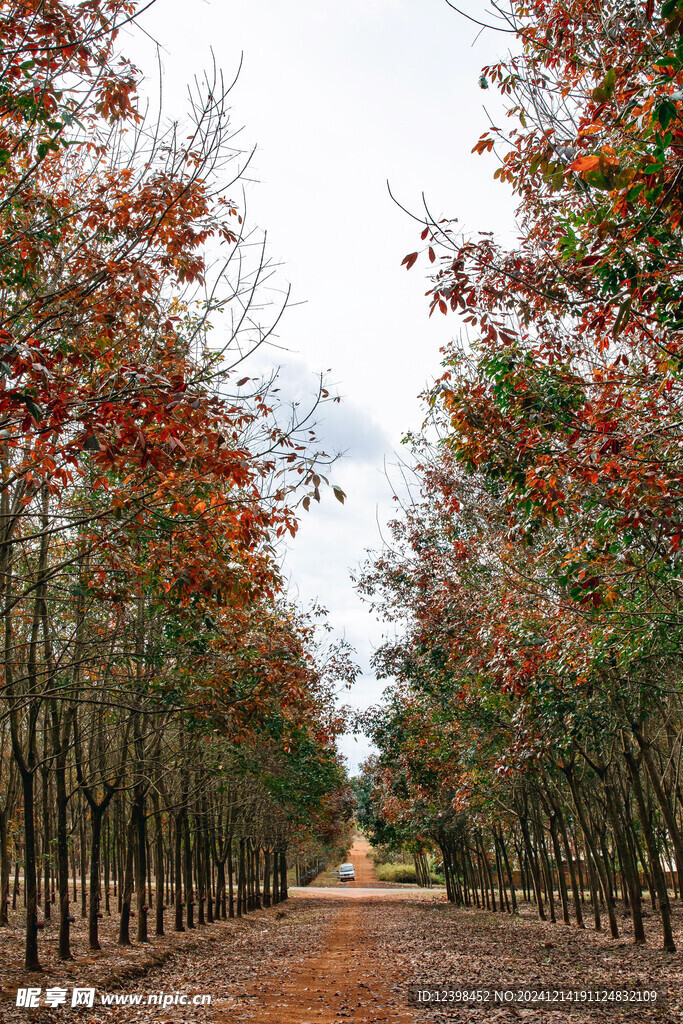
(585,163)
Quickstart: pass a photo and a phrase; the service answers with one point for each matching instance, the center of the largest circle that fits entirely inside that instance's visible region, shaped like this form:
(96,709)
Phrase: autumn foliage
(536,721)
(157,685)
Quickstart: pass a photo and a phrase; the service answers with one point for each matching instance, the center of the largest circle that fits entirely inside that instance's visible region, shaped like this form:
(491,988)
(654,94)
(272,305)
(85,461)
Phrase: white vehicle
(347,873)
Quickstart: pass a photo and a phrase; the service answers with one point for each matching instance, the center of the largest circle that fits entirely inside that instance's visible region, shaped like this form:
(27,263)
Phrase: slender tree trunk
(4,870)
(560,869)
(221,909)
(83,865)
(242,881)
(511,881)
(653,851)
(127,888)
(266,877)
(547,872)
(576,895)
(593,889)
(283,875)
(31,961)
(63,860)
(662,800)
(600,866)
(141,867)
(107,876)
(179,926)
(629,869)
(533,866)
(257,869)
(158,865)
(231,881)
(207,875)
(502,895)
(47,817)
(96,816)
(189,889)
(199,871)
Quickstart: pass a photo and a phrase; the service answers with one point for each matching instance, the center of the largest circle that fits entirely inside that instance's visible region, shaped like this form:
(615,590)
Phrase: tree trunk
(63,861)
(266,877)
(4,870)
(257,869)
(664,805)
(96,816)
(83,867)
(283,875)
(47,836)
(158,865)
(231,882)
(179,926)
(630,871)
(127,888)
(600,867)
(576,892)
(533,866)
(221,909)
(189,890)
(241,881)
(560,869)
(653,852)
(31,961)
(511,881)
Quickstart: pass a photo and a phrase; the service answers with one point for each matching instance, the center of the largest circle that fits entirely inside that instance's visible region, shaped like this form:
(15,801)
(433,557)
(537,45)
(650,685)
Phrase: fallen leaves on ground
(317,960)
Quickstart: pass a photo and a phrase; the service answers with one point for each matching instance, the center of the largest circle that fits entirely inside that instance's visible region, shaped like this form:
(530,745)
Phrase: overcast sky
(340,98)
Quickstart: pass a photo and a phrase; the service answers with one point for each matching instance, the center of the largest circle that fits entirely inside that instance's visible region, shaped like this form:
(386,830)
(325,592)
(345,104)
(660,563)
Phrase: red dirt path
(345,980)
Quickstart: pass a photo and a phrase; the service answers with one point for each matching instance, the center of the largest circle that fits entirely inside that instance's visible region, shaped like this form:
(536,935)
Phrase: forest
(167,723)
(533,730)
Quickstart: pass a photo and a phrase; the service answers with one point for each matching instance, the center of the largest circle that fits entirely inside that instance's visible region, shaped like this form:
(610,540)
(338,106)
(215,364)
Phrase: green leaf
(34,410)
(666,113)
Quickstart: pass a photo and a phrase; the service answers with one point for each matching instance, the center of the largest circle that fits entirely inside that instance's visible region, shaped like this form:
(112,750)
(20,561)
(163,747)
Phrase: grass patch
(402,874)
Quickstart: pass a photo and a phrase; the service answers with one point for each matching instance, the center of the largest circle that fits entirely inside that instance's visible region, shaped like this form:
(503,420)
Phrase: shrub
(399,873)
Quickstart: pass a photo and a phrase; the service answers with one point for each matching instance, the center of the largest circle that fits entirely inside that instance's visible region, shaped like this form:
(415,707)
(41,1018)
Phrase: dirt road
(346,979)
(365,886)
(361,955)
(362,864)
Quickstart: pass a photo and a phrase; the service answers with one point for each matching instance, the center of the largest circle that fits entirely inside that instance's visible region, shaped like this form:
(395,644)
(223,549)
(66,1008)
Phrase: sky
(338,100)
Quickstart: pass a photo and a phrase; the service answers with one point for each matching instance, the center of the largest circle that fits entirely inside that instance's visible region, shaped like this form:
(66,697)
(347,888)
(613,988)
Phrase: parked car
(347,873)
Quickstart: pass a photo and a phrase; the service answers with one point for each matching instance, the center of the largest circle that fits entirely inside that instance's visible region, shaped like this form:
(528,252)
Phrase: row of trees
(536,722)
(207,839)
(164,710)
